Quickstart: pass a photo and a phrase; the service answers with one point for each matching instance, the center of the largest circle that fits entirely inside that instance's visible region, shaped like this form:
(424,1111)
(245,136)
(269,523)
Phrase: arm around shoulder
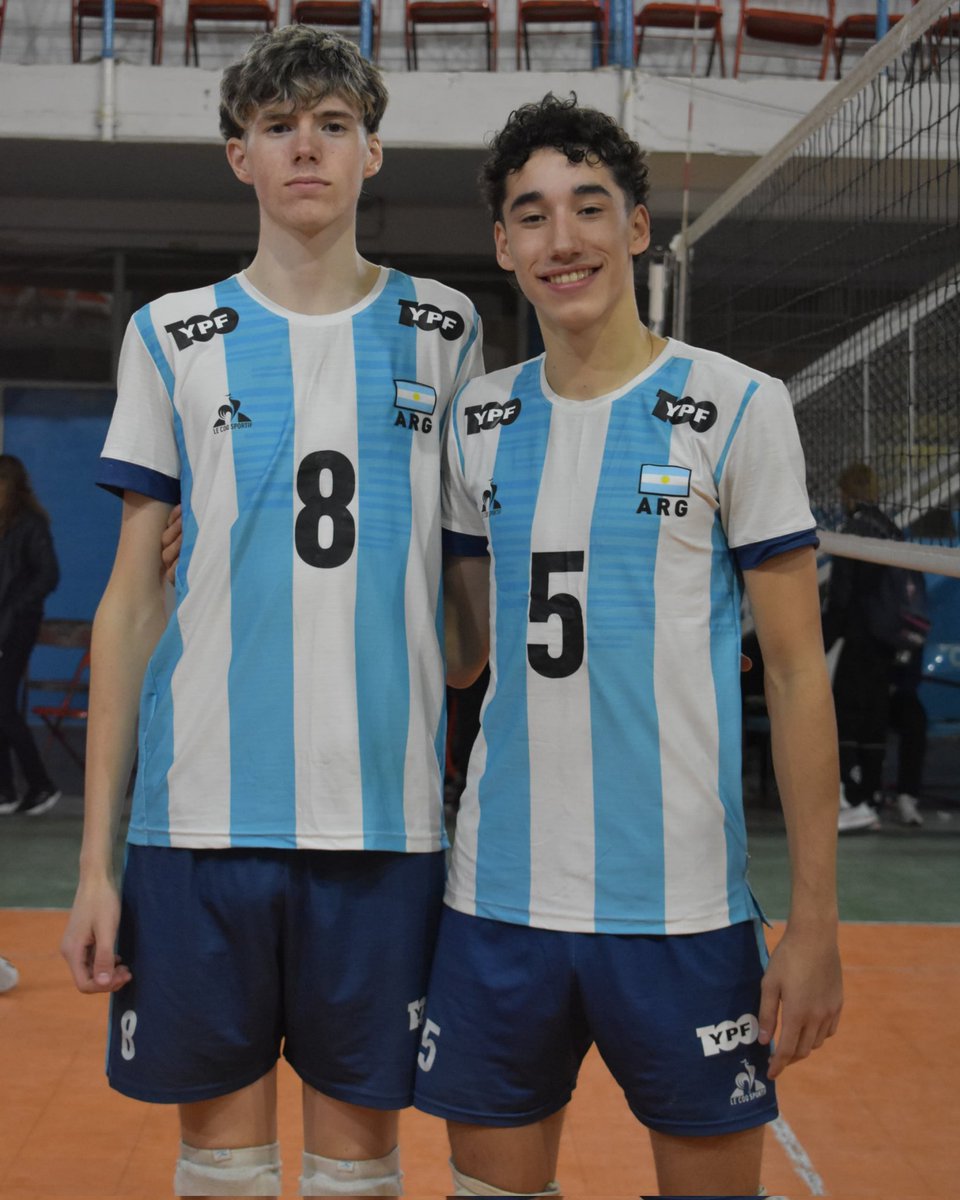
(466,610)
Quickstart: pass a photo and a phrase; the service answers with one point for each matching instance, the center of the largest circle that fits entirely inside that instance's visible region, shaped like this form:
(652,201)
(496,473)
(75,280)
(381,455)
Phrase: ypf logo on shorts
(428,317)
(202,329)
(728,1034)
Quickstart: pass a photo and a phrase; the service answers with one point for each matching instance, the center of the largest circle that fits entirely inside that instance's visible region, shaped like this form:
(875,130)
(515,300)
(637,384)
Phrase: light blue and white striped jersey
(296,698)
(603,793)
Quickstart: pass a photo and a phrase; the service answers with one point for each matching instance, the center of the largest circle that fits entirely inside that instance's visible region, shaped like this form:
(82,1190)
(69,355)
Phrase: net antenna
(834,263)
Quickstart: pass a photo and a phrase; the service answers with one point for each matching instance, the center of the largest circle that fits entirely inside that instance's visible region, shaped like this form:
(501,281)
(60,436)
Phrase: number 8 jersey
(603,793)
(295,698)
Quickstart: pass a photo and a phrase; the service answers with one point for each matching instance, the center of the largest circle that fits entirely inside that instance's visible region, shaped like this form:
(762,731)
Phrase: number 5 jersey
(295,698)
(603,793)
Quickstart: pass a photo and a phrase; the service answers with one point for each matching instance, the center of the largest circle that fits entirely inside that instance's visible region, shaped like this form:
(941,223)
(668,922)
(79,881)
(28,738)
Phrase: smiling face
(570,236)
(307,165)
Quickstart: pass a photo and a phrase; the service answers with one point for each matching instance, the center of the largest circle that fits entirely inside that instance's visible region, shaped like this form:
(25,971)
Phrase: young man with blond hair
(285,860)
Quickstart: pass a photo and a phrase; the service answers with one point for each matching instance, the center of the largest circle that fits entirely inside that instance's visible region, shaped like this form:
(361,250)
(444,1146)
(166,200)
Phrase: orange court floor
(872,1114)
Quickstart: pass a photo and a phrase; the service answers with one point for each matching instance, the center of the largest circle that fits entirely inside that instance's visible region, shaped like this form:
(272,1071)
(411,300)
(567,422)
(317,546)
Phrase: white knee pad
(352,1177)
(250,1171)
(464,1185)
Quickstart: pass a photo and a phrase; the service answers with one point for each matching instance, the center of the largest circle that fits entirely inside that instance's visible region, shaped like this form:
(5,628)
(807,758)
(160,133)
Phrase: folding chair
(705,18)
(338,14)
(72,706)
(63,634)
(450,12)
(858,27)
(562,12)
(787,27)
(948,26)
(262,12)
(124,10)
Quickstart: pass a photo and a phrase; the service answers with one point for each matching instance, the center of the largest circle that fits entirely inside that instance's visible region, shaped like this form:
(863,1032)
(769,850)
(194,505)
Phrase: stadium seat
(124,10)
(858,27)
(72,706)
(787,27)
(261,12)
(337,14)
(70,703)
(562,12)
(948,26)
(450,12)
(707,18)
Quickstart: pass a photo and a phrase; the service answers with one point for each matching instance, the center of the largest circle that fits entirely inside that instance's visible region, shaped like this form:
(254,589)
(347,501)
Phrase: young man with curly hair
(605,505)
(285,862)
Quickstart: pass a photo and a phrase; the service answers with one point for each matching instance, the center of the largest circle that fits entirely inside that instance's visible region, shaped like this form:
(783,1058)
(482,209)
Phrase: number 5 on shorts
(428,1045)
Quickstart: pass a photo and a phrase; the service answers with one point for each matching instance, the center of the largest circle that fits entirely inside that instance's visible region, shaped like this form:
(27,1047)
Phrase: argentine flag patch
(660,480)
(418,397)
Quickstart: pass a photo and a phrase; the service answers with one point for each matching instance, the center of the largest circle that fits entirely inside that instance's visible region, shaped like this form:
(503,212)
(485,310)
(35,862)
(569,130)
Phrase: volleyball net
(834,263)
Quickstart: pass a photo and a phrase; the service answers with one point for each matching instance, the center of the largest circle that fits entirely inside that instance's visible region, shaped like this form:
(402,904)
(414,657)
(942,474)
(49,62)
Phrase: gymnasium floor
(873,1114)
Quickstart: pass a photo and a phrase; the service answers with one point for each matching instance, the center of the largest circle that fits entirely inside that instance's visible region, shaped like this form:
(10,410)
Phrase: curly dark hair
(582,134)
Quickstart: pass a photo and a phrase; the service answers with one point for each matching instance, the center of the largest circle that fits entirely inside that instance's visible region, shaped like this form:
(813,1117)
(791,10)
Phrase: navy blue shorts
(236,954)
(511,1012)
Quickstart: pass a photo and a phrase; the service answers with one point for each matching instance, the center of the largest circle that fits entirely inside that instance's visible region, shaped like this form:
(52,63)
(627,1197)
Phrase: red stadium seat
(451,12)
(787,26)
(337,14)
(261,12)
(124,10)
(706,17)
(562,12)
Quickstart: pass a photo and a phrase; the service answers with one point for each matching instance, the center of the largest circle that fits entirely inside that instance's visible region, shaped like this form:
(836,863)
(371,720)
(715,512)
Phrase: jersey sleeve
(141,453)
(762,485)
(464,533)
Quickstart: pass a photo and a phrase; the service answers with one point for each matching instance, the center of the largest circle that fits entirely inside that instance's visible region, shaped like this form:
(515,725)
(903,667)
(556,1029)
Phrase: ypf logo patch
(428,317)
(489,416)
(727,1035)
(698,414)
(202,329)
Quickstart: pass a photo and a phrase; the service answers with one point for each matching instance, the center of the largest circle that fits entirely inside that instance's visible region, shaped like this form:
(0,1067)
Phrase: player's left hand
(803,983)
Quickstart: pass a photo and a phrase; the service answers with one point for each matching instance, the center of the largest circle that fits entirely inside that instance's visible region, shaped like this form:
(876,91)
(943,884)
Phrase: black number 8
(334,506)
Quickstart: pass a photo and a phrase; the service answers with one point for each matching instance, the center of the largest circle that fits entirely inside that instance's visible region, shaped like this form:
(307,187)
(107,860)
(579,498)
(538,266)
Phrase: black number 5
(334,506)
(567,607)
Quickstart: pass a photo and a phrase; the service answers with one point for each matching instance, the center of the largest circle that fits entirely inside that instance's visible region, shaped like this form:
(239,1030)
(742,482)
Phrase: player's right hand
(89,938)
(170,542)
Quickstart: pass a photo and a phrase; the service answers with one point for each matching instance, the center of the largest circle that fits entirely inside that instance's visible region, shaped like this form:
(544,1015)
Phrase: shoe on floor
(908,810)
(8,804)
(856,816)
(36,803)
(9,975)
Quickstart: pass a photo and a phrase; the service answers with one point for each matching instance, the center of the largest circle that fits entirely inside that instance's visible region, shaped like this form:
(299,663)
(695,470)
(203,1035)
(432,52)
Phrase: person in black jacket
(865,668)
(28,573)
